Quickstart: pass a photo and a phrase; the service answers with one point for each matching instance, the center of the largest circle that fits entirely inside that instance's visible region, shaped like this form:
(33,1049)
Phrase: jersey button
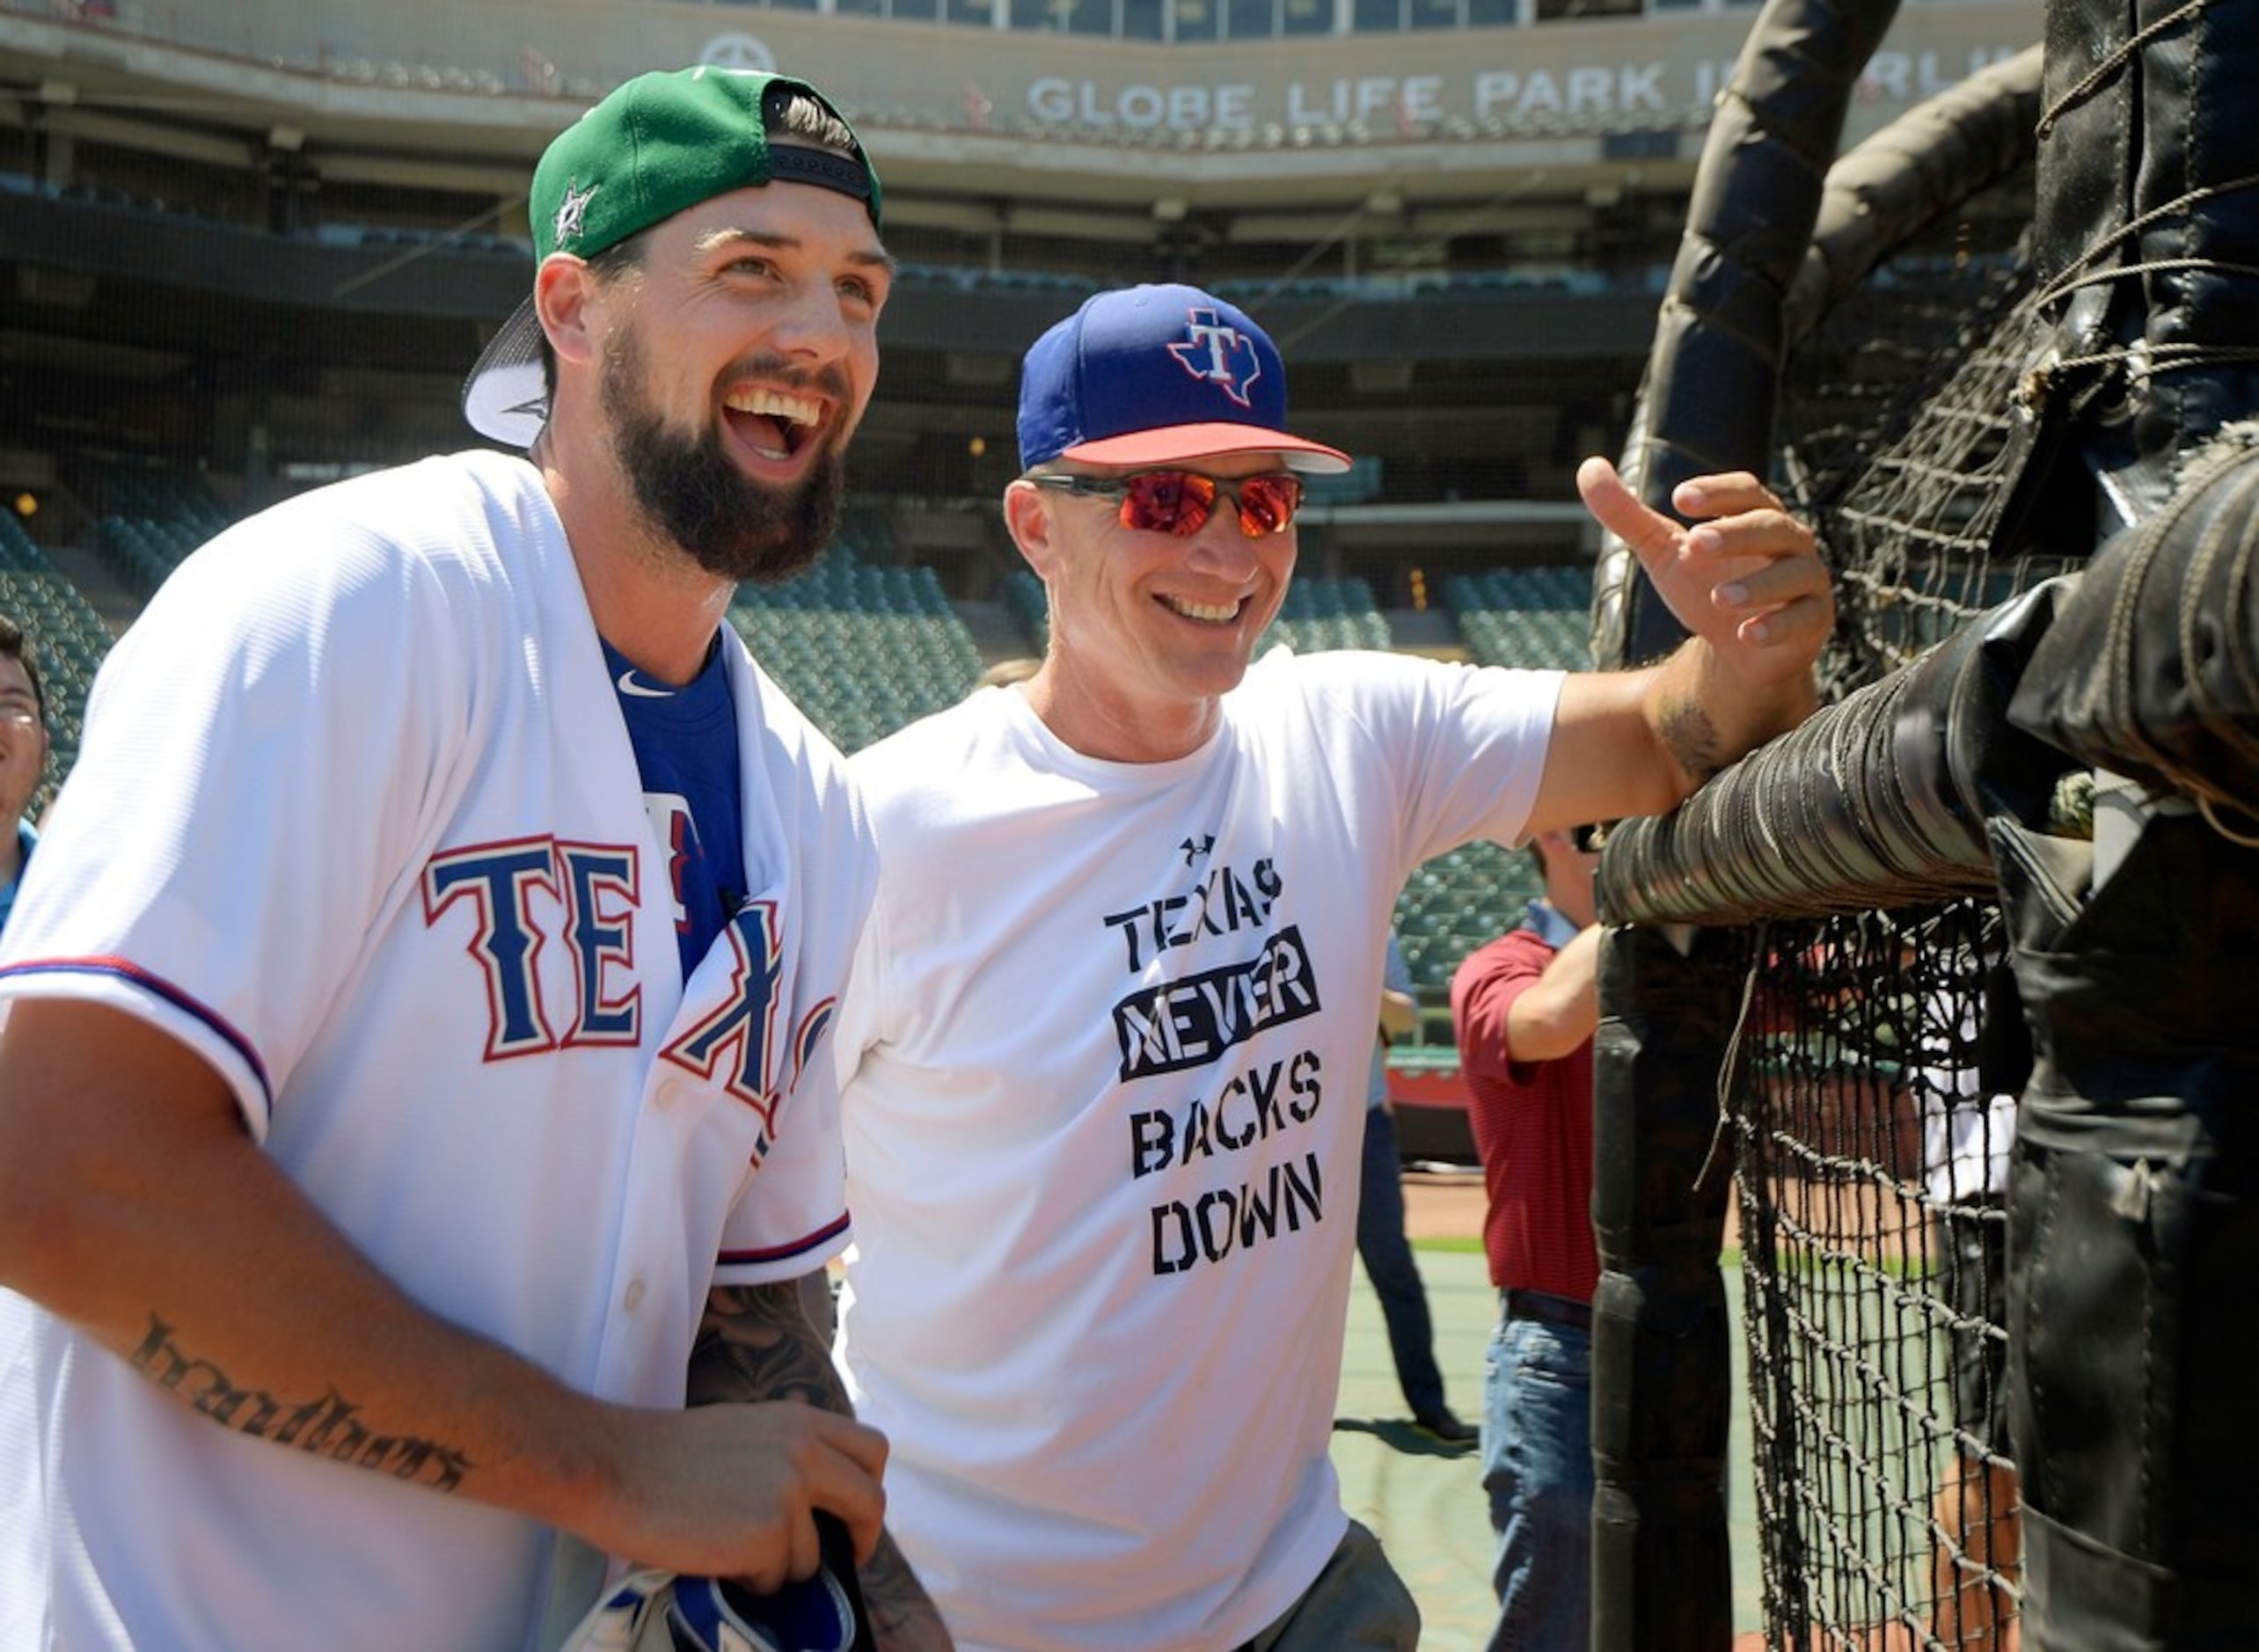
(668,1093)
(634,1295)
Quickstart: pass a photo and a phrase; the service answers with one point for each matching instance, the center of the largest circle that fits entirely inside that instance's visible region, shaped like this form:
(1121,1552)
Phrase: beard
(685,485)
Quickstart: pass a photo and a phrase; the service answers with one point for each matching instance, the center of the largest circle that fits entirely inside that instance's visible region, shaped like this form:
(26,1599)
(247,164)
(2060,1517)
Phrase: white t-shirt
(1114,1024)
(358,820)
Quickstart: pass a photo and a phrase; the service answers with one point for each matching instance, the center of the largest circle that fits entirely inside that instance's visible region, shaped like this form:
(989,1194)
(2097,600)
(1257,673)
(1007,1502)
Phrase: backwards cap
(658,144)
(1157,374)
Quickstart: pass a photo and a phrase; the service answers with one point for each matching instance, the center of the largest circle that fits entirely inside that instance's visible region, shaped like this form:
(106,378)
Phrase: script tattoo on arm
(328,1427)
(757,1343)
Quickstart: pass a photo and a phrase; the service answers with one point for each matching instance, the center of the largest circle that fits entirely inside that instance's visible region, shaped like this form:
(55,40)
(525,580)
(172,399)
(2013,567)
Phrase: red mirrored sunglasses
(1179,501)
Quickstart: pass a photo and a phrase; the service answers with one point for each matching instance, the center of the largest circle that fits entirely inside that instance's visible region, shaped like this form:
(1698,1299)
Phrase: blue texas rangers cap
(1155,374)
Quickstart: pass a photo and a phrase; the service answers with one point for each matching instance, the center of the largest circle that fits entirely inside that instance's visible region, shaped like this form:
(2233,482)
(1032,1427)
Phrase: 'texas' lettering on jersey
(508,888)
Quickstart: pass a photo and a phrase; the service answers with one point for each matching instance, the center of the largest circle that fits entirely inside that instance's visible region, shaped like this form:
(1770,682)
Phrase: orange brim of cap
(1176,445)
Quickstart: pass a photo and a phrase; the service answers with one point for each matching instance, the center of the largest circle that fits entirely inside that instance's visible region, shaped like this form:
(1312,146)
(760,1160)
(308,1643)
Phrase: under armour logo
(1195,847)
(1220,354)
(571,212)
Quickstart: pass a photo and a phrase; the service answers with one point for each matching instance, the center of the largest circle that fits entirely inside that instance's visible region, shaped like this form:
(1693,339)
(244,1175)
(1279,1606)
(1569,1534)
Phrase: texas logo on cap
(1221,353)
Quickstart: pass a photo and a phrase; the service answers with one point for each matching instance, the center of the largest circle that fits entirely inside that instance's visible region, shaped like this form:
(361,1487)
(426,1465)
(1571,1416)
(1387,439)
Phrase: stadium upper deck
(263,237)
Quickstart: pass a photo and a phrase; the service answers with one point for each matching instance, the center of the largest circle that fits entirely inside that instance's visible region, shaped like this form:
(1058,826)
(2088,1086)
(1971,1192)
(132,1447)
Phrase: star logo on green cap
(571,211)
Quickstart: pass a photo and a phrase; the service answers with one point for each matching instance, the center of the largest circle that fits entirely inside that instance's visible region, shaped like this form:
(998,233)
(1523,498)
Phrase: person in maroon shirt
(1524,1007)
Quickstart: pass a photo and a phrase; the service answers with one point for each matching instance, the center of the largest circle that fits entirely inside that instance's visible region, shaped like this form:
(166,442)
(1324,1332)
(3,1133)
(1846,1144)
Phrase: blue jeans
(1537,1467)
(1387,1258)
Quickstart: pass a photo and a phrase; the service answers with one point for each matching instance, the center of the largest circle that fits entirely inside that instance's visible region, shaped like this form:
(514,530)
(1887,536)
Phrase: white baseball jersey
(1105,1054)
(357,819)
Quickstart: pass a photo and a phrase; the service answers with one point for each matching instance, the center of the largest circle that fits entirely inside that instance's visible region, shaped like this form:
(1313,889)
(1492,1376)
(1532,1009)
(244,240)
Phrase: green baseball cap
(656,145)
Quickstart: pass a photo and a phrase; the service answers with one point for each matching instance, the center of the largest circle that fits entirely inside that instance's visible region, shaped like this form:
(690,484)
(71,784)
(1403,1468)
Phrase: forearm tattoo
(902,1613)
(756,1343)
(328,1427)
(1693,739)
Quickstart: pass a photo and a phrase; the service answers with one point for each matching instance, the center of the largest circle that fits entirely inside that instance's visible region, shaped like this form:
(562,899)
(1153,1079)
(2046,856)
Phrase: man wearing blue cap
(1104,1049)
(413,1081)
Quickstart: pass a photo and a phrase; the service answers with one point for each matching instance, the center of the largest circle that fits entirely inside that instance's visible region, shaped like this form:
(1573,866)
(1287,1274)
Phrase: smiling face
(740,355)
(23,745)
(689,488)
(1148,630)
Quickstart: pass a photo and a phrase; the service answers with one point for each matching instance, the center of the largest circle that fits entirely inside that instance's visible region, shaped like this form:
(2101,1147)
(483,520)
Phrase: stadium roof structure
(258,234)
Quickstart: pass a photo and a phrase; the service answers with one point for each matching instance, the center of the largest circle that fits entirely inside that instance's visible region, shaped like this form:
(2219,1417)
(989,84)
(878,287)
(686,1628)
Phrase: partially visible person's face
(1572,871)
(734,381)
(1163,626)
(23,741)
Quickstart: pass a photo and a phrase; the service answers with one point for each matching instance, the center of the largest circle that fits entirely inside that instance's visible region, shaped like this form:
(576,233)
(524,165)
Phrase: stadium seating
(150,520)
(1456,903)
(16,549)
(1524,617)
(863,647)
(1536,617)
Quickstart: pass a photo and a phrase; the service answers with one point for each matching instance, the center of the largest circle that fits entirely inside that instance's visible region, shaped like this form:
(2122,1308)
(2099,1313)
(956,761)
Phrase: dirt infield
(1443,1204)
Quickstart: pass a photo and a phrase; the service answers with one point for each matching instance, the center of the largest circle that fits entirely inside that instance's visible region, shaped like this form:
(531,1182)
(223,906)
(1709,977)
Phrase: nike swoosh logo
(627,685)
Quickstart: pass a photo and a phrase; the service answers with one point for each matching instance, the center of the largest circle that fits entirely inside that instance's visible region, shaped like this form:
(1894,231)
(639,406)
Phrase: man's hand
(1747,579)
(732,1490)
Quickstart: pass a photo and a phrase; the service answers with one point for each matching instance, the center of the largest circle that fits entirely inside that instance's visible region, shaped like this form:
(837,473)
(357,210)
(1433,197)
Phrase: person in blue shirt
(1382,1246)
(23,754)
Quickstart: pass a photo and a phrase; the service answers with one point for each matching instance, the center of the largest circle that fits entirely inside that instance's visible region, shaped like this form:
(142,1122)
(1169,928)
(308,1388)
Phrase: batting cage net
(1868,1135)
(2014,393)
(1871,1143)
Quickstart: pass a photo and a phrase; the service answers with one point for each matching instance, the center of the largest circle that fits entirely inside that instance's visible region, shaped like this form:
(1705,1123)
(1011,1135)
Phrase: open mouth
(774,425)
(1206,613)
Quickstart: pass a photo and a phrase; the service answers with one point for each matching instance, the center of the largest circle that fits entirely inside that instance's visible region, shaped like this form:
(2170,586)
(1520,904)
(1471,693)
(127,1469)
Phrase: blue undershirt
(685,744)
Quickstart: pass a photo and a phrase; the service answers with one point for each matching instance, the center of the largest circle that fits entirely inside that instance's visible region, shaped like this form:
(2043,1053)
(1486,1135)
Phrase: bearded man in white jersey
(1105,1047)
(414,1017)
